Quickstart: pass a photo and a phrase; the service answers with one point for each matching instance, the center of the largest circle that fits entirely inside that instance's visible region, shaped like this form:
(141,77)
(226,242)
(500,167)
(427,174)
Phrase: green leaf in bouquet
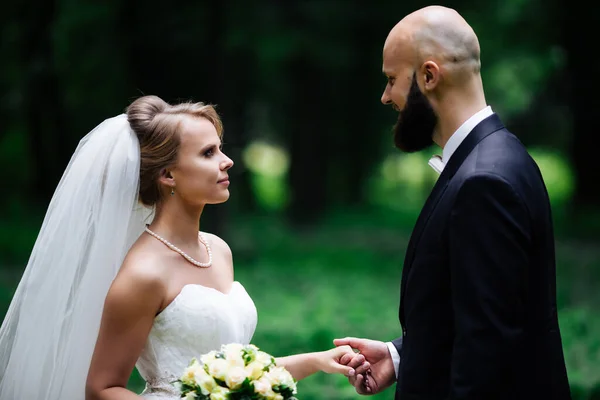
(285,391)
(247,386)
(244,392)
(248,356)
(243,396)
(185,389)
(221,383)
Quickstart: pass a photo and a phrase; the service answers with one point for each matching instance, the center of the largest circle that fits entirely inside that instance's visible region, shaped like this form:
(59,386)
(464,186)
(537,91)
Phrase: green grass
(342,279)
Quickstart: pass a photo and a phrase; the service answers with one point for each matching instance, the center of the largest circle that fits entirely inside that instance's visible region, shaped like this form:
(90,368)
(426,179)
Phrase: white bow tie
(436,163)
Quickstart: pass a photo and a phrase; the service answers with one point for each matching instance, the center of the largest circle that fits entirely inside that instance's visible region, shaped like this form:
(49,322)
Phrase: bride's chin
(222,198)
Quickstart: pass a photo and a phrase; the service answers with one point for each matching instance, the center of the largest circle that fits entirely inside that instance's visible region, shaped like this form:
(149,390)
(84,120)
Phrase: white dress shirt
(438,163)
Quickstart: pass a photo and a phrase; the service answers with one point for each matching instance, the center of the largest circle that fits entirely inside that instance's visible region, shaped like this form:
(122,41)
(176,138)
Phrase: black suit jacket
(478,296)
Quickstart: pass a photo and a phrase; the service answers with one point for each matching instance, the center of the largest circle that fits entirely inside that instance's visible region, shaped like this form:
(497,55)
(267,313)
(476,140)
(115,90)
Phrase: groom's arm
(489,235)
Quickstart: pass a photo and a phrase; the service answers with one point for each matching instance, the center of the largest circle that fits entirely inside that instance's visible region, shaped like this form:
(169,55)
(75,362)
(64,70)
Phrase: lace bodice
(199,319)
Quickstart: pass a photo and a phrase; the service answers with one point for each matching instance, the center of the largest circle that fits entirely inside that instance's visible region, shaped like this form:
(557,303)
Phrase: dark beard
(416,122)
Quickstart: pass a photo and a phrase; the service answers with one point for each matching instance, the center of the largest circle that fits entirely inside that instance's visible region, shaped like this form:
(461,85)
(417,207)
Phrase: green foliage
(558,175)
(342,279)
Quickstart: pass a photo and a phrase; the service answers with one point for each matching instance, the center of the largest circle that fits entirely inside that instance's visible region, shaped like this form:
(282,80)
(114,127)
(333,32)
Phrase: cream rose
(189,374)
(190,396)
(279,376)
(255,370)
(208,358)
(233,354)
(263,387)
(205,381)
(232,349)
(218,369)
(235,377)
(264,358)
(219,393)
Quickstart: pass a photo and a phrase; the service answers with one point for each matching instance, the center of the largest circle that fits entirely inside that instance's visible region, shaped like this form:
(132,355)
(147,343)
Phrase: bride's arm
(129,310)
(304,365)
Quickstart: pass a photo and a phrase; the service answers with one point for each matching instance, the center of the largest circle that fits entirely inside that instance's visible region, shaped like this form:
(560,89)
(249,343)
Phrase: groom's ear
(430,73)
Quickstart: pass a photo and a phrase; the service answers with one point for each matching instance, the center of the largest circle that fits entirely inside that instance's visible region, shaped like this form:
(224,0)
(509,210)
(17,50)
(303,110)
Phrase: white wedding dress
(199,319)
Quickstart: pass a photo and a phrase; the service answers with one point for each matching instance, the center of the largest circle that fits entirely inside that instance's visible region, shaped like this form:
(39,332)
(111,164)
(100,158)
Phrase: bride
(103,292)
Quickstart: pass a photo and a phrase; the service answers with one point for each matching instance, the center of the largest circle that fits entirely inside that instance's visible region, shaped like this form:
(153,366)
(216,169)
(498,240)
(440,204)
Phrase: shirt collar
(462,132)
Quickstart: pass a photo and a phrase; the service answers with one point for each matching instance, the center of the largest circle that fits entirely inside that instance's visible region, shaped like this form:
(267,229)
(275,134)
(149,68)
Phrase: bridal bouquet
(236,372)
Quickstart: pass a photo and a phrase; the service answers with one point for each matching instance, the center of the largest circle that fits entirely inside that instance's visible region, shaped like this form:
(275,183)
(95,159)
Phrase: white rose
(235,361)
(189,374)
(235,377)
(218,369)
(276,376)
(219,393)
(208,358)
(190,396)
(263,387)
(233,354)
(264,358)
(255,370)
(204,380)
(279,376)
(232,348)
(286,378)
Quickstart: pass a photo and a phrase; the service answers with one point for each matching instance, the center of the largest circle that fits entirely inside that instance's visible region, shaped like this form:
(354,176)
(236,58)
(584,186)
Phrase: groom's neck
(455,107)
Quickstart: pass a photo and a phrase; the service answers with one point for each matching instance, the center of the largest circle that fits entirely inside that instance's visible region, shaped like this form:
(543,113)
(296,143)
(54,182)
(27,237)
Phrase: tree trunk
(43,103)
(307,125)
(186,63)
(580,24)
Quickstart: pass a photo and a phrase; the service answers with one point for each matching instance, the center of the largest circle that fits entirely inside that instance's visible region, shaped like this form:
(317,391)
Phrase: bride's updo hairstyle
(156,124)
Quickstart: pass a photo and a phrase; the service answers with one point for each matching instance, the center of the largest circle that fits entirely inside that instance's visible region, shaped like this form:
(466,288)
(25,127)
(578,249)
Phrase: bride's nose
(226,163)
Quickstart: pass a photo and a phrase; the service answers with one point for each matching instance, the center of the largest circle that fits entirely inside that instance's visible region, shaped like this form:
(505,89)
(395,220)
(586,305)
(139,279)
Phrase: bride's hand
(329,361)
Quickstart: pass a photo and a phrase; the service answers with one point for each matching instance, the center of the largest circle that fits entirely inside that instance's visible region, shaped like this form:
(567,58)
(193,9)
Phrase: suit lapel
(432,200)
(486,127)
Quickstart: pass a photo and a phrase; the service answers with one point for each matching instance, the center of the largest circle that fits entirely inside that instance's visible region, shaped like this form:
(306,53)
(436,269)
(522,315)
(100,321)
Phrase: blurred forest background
(322,205)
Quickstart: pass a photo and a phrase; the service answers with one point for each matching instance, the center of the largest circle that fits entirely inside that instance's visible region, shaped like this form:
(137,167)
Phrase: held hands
(380,375)
(353,363)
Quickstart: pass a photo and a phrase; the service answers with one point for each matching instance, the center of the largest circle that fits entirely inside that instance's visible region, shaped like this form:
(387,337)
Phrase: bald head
(437,34)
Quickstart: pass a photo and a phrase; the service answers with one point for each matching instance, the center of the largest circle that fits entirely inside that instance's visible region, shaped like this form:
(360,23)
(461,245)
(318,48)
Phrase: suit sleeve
(489,237)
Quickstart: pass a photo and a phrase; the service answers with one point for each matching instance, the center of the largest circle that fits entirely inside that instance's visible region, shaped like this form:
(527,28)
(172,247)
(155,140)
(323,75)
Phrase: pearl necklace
(176,249)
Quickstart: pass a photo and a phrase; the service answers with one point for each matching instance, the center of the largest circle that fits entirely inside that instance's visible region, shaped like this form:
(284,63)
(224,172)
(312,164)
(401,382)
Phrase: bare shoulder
(141,278)
(218,245)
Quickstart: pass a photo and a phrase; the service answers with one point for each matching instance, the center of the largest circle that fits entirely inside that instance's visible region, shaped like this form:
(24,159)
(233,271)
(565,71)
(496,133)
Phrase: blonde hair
(156,124)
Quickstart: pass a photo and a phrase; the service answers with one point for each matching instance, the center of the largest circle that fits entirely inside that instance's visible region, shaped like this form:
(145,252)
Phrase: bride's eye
(210,152)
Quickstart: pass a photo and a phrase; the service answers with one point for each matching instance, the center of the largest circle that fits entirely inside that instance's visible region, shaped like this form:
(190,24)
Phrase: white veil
(48,335)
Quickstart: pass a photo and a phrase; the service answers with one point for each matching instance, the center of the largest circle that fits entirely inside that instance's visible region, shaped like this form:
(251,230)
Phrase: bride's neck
(177,223)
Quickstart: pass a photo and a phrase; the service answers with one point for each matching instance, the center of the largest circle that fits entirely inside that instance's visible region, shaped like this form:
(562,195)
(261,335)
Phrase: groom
(478,295)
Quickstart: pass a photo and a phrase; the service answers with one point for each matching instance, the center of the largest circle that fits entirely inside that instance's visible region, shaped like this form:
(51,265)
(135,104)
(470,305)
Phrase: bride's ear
(166,178)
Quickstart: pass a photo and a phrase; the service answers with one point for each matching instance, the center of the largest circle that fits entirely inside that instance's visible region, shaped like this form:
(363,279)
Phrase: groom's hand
(381,374)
